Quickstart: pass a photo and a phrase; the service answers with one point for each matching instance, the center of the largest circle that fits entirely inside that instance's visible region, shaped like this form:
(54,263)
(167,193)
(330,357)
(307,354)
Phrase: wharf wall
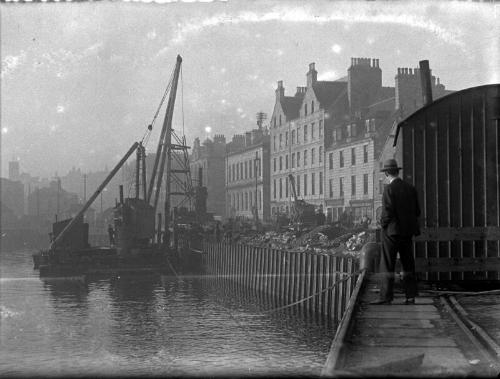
(315,284)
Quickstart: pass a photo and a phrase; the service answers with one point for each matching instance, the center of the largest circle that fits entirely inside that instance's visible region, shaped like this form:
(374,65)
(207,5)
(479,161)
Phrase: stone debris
(325,239)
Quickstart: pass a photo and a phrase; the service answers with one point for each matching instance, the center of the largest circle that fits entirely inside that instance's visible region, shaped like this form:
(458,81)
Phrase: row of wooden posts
(287,277)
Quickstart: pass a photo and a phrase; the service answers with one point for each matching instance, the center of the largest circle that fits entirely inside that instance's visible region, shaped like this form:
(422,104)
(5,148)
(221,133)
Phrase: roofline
(445,97)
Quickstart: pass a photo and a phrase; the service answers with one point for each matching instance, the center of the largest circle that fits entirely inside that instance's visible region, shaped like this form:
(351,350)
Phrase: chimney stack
(425,80)
(280,91)
(312,75)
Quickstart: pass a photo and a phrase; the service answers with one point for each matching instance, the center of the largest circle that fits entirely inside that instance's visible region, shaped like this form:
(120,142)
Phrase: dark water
(148,325)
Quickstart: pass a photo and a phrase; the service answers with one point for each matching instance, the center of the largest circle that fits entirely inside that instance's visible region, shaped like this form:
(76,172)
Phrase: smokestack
(121,194)
(425,81)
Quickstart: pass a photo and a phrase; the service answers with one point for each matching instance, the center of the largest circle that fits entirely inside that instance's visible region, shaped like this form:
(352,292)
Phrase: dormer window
(280,120)
(312,106)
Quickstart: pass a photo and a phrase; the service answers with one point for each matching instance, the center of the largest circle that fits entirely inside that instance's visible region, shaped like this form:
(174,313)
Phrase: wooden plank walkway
(406,340)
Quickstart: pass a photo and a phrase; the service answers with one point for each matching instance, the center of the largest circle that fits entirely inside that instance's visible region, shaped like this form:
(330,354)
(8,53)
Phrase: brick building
(247,175)
(209,156)
(300,129)
(356,142)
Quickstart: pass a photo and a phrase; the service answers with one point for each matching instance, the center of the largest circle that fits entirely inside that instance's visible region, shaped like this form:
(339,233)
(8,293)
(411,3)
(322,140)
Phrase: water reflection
(156,325)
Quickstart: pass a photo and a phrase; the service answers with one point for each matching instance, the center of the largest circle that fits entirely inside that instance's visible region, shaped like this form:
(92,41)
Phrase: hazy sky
(80,81)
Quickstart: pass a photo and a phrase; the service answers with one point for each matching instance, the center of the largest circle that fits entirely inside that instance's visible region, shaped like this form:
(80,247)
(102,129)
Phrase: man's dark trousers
(391,245)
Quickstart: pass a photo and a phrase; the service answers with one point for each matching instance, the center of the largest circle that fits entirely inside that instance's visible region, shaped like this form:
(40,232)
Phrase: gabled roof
(328,92)
(291,106)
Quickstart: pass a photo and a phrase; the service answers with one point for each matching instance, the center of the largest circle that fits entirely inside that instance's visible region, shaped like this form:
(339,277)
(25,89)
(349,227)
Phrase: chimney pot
(280,83)
(311,66)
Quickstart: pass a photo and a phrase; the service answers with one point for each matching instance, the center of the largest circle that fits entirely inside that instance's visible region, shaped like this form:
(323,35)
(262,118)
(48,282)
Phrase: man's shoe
(410,301)
(380,302)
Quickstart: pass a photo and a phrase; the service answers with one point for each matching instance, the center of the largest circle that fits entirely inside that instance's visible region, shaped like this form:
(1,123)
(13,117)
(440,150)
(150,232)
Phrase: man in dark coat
(399,220)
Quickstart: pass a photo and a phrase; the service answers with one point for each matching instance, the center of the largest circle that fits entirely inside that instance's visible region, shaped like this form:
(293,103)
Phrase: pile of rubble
(325,239)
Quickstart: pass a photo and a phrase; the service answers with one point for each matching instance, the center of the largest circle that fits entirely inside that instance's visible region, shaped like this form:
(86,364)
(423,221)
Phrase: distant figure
(399,221)
(217,232)
(320,218)
(111,234)
(166,237)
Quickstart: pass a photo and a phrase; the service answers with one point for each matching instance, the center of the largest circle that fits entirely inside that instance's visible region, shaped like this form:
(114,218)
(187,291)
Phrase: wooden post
(302,281)
(320,284)
(314,276)
(334,293)
(341,285)
(278,276)
(326,304)
(308,282)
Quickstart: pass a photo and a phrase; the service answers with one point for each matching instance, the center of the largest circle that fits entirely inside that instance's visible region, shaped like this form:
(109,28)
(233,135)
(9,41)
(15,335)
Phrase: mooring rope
(349,276)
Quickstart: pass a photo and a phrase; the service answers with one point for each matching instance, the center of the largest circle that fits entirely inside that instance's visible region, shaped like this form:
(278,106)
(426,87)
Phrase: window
(305,133)
(341,187)
(286,138)
(320,156)
(228,174)
(274,164)
(305,184)
(246,169)
(330,161)
(234,170)
(305,109)
(298,158)
(330,187)
(353,185)
(280,120)
(305,158)
(313,151)
(320,128)
(365,153)
(274,189)
(241,170)
(246,201)
(312,106)
(281,163)
(353,156)
(293,137)
(286,187)
(321,183)
(237,201)
(281,141)
(250,170)
(286,162)
(341,158)
(312,131)
(298,185)
(274,143)
(293,160)
(313,183)
(298,135)
(237,171)
(365,184)
(281,188)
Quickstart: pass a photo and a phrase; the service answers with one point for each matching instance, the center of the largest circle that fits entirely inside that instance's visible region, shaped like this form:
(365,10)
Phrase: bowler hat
(390,164)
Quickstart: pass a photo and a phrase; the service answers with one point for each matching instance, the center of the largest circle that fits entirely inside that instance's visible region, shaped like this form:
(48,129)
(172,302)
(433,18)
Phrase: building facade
(300,129)
(207,161)
(247,176)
